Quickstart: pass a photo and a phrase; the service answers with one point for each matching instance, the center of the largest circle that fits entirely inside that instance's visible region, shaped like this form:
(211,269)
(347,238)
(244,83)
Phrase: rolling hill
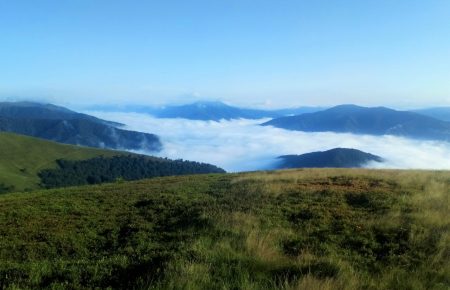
(335,158)
(362,120)
(29,163)
(62,125)
(208,111)
(23,157)
(296,229)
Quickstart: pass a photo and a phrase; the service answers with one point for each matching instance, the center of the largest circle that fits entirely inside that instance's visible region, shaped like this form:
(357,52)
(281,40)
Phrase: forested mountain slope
(23,157)
(65,126)
(29,163)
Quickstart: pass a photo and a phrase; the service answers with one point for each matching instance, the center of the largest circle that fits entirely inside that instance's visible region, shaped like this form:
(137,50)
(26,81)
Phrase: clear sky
(252,52)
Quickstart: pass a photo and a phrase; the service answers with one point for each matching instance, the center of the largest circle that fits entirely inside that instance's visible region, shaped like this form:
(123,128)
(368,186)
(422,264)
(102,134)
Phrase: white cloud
(241,145)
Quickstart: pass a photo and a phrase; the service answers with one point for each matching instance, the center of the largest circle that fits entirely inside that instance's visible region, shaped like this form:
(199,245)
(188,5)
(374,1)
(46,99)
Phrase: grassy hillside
(299,229)
(22,157)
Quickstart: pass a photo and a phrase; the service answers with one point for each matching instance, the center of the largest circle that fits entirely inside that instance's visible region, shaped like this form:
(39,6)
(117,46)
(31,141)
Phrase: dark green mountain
(361,120)
(62,125)
(334,158)
(127,167)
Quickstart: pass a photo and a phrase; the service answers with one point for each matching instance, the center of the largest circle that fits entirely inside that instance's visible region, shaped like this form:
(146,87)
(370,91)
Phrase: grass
(296,229)
(22,157)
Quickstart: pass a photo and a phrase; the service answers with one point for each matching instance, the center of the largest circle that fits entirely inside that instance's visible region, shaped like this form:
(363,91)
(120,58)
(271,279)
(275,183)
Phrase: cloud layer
(243,145)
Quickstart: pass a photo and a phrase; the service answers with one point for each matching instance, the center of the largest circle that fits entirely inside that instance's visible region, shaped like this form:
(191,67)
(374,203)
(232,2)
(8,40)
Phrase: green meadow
(296,229)
(22,157)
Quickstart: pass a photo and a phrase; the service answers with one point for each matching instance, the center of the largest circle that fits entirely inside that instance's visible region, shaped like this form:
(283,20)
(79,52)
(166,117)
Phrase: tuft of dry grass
(293,229)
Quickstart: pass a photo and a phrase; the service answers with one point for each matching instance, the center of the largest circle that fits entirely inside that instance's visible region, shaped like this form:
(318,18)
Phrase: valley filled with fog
(243,145)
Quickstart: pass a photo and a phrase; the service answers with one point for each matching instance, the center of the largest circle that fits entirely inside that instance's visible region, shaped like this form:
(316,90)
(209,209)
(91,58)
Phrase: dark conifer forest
(118,168)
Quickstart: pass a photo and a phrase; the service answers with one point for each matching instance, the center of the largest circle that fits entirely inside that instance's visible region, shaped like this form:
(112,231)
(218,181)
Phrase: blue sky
(263,53)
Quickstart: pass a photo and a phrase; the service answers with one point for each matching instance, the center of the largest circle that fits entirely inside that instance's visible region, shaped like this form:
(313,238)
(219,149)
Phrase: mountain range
(363,120)
(441,113)
(63,125)
(335,158)
(217,110)
(207,111)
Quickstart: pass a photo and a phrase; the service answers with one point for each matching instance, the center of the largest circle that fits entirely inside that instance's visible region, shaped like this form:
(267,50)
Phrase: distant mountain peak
(367,120)
(346,106)
(210,103)
(440,113)
(34,105)
(336,157)
(208,111)
(355,108)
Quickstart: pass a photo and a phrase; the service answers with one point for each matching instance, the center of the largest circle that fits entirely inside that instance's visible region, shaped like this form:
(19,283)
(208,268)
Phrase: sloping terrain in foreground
(23,157)
(304,229)
(29,163)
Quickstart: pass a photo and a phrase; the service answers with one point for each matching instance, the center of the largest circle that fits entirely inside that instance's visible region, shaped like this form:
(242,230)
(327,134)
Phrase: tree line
(125,167)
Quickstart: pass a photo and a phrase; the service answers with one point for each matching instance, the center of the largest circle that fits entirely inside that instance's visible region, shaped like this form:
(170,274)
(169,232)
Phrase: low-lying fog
(242,145)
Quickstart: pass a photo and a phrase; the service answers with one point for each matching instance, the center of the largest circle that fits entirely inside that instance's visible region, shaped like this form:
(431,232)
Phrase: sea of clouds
(244,145)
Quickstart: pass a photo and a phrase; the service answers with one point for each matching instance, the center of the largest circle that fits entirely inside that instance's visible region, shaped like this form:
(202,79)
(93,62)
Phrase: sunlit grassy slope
(299,229)
(22,157)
